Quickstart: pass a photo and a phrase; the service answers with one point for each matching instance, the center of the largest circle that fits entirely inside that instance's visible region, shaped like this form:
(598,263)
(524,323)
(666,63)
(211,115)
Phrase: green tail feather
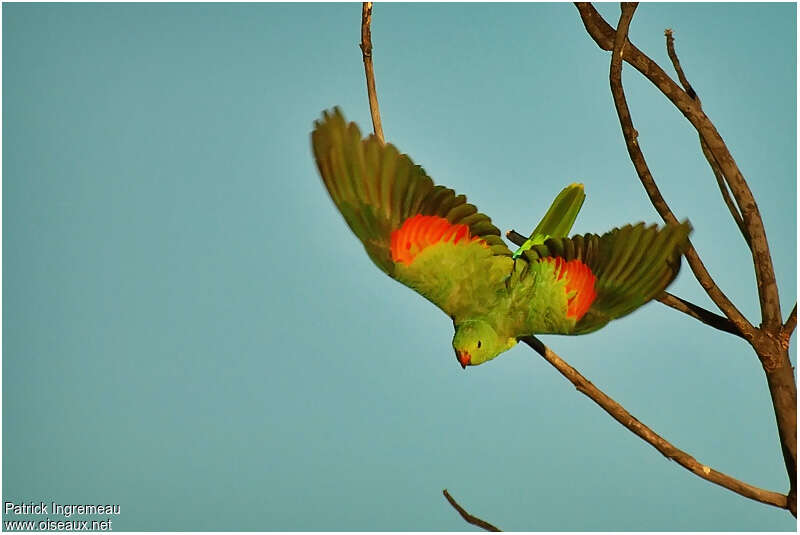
(632,265)
(558,220)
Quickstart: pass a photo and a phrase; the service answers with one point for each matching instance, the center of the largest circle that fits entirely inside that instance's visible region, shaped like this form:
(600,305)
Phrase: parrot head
(476,341)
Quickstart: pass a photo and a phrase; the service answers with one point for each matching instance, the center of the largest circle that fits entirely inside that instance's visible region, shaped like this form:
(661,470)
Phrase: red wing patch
(579,284)
(421,231)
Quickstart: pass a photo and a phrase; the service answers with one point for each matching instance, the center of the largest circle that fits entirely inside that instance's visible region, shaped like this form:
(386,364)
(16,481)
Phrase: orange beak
(464,358)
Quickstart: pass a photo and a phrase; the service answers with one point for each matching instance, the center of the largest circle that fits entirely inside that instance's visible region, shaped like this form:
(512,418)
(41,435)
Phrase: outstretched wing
(577,285)
(423,235)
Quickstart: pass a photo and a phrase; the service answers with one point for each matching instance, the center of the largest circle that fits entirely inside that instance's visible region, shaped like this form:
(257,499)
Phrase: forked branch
(767,340)
(640,164)
(604,35)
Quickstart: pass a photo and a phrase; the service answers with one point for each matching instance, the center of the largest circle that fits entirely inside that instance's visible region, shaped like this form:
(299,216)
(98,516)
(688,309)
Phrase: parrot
(430,239)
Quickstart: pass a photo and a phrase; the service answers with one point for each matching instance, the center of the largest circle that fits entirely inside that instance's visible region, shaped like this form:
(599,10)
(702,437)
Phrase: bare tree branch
(789,326)
(516,238)
(677,65)
(474,520)
(723,187)
(621,415)
(771,349)
(697,312)
(603,34)
(774,356)
(642,169)
(366,54)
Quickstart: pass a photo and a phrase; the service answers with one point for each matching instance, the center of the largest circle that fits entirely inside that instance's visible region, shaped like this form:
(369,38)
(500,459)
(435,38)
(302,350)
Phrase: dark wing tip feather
(376,188)
(365,176)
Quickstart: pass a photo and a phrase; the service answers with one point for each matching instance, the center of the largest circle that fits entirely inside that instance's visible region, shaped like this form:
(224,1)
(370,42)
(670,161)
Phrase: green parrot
(433,241)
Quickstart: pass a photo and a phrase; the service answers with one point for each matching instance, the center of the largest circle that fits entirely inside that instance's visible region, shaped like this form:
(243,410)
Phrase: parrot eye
(479,344)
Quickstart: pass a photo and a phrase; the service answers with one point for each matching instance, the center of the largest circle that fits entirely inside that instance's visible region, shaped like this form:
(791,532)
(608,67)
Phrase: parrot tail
(558,220)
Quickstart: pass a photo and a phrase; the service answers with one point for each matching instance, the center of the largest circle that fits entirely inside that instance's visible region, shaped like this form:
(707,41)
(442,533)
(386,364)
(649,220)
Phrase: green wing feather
(376,188)
(632,265)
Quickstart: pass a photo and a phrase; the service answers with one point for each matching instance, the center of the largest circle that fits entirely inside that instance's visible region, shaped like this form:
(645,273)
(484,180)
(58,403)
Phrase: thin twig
(603,34)
(673,301)
(723,189)
(699,313)
(516,238)
(642,169)
(677,65)
(789,326)
(721,183)
(366,54)
(671,452)
(474,520)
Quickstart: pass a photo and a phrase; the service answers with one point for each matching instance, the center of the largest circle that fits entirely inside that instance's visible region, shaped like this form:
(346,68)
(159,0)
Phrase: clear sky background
(192,332)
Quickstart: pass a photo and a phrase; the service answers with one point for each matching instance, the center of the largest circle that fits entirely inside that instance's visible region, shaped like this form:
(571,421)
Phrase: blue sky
(192,332)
